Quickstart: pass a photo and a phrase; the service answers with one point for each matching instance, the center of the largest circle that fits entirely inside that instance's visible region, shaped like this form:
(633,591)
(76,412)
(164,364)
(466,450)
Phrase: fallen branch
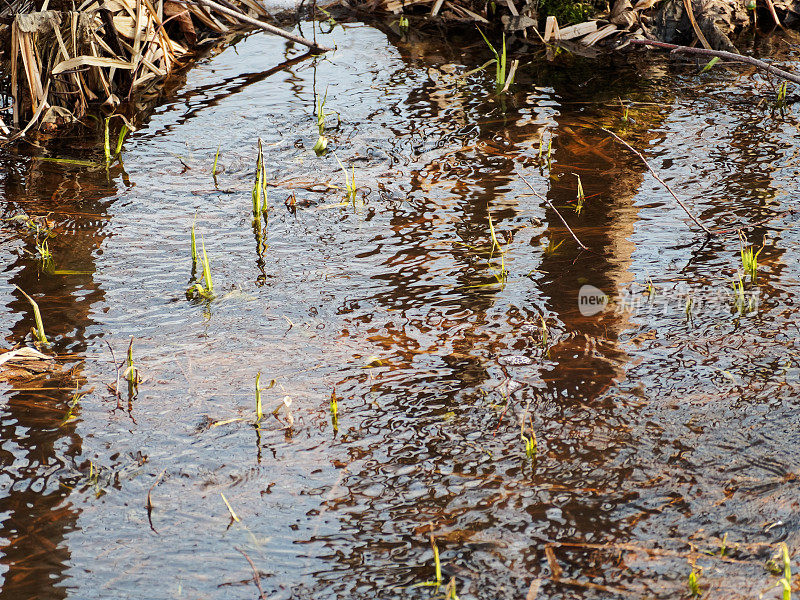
(550,204)
(265,26)
(759,64)
(256,575)
(658,178)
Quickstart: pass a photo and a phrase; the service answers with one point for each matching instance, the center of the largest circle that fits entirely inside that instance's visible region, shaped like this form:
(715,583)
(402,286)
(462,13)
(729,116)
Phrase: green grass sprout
(334,407)
(694,586)
(259,186)
(259,408)
(500,274)
(581,196)
(502,80)
(38,332)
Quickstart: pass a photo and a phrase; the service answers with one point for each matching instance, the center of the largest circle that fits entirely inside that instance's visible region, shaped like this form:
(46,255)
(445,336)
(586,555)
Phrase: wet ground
(666,425)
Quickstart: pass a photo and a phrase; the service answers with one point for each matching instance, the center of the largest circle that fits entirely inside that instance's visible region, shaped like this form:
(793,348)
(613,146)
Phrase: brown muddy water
(665,423)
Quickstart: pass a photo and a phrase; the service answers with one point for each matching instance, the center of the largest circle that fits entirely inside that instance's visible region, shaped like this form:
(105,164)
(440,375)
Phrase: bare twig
(150,502)
(550,204)
(265,26)
(759,64)
(661,181)
(256,576)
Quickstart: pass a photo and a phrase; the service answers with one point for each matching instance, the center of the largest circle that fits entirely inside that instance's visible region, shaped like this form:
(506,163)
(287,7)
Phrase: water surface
(663,426)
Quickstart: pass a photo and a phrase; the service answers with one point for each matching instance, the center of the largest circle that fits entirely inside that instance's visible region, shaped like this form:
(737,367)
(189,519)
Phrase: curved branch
(759,64)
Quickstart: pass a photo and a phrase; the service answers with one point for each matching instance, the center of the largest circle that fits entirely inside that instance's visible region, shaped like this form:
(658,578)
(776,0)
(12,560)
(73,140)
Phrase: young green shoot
(259,407)
(500,274)
(259,186)
(131,374)
(350,182)
(214,168)
(551,247)
(44,255)
(786,582)
(436,561)
(38,332)
(749,259)
(334,406)
(650,289)
(322,141)
(205,289)
(545,156)
(780,98)
(710,65)
(501,80)
(544,332)
(450,590)
(194,247)
(531,443)
(106,143)
(121,138)
(625,108)
(581,197)
(742,300)
(694,586)
(209,284)
(437,582)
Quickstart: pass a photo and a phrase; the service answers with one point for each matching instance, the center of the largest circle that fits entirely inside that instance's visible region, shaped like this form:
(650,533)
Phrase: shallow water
(663,424)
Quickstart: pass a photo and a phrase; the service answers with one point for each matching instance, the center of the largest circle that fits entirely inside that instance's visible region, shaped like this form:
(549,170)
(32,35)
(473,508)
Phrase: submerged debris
(25,363)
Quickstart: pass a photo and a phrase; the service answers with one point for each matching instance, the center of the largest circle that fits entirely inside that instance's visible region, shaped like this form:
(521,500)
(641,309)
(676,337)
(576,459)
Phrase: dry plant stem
(255,574)
(661,181)
(150,502)
(265,26)
(550,204)
(690,12)
(760,64)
